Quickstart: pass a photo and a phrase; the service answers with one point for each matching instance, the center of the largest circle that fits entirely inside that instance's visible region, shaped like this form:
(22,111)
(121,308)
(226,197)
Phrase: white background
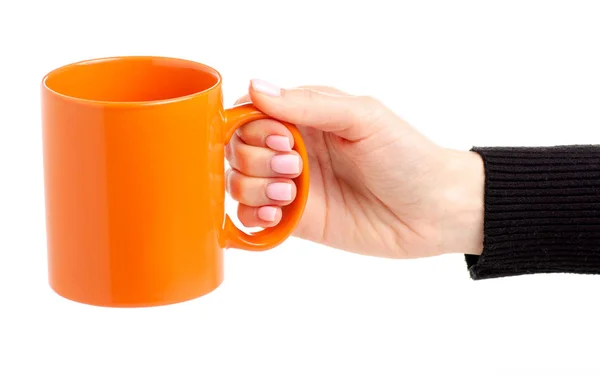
(463,72)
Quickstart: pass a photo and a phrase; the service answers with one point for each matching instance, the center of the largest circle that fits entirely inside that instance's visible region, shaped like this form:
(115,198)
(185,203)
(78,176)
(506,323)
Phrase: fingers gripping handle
(270,237)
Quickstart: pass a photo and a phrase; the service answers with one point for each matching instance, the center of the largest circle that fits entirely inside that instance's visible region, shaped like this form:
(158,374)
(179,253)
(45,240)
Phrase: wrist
(462,207)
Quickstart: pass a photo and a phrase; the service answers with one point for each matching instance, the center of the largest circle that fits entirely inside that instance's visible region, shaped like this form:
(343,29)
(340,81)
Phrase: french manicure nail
(279,191)
(264,87)
(285,164)
(267,213)
(278,143)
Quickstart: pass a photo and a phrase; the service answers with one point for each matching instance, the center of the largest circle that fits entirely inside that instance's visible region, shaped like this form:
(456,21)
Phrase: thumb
(350,117)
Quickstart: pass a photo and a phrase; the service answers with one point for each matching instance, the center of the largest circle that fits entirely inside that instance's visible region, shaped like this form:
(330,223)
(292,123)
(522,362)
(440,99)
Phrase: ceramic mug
(134,181)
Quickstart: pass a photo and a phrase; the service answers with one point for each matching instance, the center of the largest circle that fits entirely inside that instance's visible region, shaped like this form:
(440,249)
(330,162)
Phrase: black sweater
(542,211)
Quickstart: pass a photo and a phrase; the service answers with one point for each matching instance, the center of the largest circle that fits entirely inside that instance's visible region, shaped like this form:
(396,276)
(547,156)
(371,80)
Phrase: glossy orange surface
(134,181)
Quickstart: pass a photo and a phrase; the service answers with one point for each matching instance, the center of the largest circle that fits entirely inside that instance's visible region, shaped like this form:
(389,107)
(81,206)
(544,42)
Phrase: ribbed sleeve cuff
(542,211)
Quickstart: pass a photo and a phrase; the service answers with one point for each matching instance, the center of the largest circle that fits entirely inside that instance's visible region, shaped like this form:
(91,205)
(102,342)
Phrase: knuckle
(241,158)
(238,188)
(244,131)
(234,185)
(240,131)
(369,109)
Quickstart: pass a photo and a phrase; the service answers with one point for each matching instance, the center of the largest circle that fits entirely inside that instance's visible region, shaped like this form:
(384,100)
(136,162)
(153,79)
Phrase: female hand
(378,186)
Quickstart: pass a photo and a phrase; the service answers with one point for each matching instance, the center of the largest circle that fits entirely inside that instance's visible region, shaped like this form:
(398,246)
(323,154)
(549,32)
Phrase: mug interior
(132,79)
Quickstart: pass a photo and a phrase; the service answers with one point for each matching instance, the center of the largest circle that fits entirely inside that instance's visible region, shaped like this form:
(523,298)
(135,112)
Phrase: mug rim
(204,67)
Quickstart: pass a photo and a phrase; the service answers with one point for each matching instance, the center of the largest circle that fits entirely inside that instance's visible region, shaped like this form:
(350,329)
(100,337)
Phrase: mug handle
(268,238)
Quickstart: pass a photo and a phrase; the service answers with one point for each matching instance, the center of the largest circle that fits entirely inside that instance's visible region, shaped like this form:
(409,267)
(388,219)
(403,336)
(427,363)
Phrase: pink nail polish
(267,213)
(279,191)
(264,87)
(278,143)
(285,164)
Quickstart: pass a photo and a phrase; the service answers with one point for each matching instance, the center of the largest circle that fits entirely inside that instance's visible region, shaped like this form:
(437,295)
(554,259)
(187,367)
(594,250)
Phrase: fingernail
(264,87)
(267,213)
(279,191)
(286,164)
(279,143)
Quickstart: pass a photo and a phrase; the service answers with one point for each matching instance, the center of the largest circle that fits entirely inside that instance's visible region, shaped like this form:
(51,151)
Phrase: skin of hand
(377,186)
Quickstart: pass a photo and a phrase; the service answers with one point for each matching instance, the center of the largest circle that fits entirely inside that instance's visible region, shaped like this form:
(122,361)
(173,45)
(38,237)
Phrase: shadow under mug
(134,181)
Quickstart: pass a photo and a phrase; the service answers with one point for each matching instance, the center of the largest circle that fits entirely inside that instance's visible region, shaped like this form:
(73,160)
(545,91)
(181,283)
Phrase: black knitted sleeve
(542,211)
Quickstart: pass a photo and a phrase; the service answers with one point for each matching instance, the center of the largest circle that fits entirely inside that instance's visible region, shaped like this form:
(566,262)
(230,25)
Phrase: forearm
(541,211)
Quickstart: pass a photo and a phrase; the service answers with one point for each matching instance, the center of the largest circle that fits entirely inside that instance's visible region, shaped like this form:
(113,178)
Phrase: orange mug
(134,181)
